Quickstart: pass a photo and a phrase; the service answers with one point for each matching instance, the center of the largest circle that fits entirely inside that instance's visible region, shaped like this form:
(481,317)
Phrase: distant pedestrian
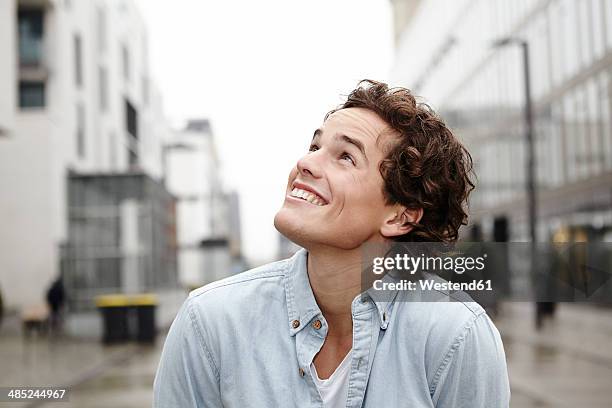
(56,297)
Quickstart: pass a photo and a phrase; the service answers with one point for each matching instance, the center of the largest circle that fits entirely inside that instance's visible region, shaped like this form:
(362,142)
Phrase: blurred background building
(84,152)
(209,220)
(453,53)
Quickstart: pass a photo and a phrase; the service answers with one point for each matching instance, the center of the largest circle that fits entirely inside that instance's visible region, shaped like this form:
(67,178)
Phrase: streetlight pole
(531,157)
(529,138)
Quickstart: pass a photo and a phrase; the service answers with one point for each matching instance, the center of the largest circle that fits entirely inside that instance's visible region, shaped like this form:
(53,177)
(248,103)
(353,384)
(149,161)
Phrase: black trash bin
(144,305)
(114,309)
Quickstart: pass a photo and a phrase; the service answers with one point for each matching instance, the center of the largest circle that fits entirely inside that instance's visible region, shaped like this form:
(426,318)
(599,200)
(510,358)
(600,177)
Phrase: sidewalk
(95,375)
(566,364)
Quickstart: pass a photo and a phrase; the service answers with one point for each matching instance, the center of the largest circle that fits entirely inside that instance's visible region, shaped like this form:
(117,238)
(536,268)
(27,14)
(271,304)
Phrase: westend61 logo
(412,264)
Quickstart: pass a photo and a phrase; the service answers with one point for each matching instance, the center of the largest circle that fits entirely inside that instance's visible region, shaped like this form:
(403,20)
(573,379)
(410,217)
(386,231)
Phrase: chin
(289,226)
(293,228)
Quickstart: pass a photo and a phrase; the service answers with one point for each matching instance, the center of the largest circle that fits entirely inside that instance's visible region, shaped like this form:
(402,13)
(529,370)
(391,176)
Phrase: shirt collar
(301,303)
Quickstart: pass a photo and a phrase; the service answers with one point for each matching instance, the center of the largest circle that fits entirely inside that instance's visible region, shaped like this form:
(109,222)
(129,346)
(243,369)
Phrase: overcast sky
(265,72)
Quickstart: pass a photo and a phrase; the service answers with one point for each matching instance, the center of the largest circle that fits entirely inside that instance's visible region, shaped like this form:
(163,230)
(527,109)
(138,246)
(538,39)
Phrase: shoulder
(452,322)
(241,300)
(245,287)
(443,314)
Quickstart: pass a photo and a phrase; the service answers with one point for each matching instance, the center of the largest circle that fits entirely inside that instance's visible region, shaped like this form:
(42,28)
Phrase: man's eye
(347,157)
(313,148)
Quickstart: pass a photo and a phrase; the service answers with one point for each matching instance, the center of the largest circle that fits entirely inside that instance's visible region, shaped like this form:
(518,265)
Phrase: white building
(446,52)
(76,96)
(193,177)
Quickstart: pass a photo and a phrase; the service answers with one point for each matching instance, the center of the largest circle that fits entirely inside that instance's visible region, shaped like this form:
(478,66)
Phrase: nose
(310,165)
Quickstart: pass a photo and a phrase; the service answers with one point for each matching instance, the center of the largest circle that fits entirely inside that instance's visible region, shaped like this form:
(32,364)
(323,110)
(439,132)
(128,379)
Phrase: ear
(396,223)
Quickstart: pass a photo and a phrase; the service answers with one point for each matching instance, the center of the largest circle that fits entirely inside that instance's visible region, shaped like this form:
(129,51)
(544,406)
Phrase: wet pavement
(566,364)
(94,374)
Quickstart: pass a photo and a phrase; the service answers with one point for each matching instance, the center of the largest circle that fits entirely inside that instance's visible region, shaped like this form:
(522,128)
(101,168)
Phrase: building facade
(450,52)
(78,100)
(204,221)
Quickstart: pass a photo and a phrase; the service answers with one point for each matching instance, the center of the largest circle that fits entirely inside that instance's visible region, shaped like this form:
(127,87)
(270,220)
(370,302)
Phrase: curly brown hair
(426,168)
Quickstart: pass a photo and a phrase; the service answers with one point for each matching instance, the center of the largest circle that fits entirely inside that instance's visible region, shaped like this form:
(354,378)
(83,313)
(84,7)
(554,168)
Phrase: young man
(301,332)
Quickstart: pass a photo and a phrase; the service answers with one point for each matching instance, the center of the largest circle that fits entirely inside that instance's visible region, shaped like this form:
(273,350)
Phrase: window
(606,109)
(30,25)
(556,43)
(608,24)
(593,124)
(132,158)
(598,19)
(131,119)
(570,130)
(78,61)
(125,58)
(570,49)
(556,153)
(103,88)
(80,130)
(101,28)
(113,150)
(145,91)
(31,94)
(584,32)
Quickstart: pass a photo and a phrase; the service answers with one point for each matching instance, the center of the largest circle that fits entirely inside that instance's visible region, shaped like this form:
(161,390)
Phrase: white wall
(193,172)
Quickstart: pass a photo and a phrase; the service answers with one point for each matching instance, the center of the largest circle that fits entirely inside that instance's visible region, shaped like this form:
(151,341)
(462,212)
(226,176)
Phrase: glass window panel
(31,94)
(604,89)
(80,130)
(556,146)
(607,5)
(78,60)
(570,128)
(30,26)
(557,42)
(125,62)
(597,21)
(582,132)
(584,32)
(101,26)
(594,129)
(569,20)
(103,88)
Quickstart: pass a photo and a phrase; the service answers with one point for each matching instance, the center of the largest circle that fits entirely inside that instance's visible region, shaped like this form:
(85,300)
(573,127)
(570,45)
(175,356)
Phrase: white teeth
(307,195)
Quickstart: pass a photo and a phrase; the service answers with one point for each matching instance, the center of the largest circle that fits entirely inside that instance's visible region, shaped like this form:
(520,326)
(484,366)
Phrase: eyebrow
(345,139)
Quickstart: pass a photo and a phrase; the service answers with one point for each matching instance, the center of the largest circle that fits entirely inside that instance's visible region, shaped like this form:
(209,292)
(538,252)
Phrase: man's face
(334,195)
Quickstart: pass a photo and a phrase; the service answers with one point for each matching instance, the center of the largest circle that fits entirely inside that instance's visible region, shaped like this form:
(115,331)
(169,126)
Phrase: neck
(335,278)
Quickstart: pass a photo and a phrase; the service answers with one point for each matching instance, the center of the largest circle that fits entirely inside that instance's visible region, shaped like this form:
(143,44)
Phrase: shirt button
(301,371)
(295,324)
(317,324)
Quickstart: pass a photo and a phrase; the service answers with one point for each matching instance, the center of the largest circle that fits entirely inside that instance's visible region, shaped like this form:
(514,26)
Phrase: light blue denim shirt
(249,340)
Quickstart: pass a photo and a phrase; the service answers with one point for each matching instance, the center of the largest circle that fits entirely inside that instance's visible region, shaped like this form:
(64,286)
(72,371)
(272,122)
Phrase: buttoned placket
(369,318)
(365,340)
(309,341)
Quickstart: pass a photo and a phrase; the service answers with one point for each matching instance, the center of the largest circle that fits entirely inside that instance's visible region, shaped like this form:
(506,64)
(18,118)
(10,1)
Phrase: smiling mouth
(308,196)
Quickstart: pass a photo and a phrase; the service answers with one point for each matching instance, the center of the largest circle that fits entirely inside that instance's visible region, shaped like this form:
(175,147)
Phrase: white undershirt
(334,390)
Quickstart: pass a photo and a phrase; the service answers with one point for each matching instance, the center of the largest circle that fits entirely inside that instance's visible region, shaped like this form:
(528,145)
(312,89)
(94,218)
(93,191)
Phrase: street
(567,364)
